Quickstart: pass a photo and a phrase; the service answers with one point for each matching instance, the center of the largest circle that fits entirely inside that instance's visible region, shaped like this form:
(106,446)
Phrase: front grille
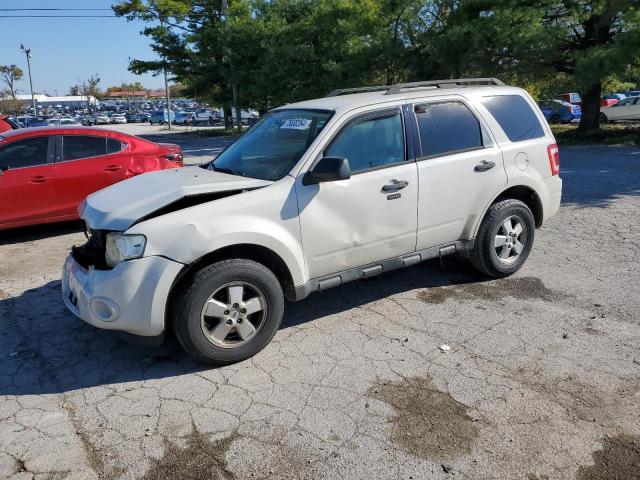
(92,253)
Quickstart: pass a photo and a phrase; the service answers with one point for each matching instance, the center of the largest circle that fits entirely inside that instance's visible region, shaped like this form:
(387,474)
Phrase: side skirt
(365,271)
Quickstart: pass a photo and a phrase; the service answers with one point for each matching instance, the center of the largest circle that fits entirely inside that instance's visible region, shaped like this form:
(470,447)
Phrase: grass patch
(626,134)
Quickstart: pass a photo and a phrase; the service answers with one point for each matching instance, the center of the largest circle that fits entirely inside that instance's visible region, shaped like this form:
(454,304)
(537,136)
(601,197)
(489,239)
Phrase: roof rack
(399,87)
(446,83)
(347,91)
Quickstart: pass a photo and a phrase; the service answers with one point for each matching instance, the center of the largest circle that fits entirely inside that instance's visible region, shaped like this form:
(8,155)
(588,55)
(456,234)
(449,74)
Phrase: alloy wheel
(233,314)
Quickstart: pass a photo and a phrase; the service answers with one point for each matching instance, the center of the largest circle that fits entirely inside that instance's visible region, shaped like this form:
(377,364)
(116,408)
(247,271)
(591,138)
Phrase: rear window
(77,147)
(515,116)
(447,128)
(114,146)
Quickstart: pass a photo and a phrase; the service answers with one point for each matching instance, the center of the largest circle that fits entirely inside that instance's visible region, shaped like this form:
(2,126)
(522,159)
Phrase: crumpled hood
(119,206)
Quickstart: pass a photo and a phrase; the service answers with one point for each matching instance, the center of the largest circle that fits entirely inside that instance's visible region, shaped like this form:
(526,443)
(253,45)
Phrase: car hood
(121,205)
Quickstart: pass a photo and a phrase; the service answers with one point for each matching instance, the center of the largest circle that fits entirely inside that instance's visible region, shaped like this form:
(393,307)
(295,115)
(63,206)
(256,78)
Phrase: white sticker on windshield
(296,124)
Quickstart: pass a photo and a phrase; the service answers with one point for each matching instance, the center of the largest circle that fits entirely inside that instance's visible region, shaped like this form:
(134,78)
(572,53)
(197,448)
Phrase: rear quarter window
(515,116)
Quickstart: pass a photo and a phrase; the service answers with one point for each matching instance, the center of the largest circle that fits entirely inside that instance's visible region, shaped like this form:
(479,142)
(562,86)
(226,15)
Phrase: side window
(29,152)
(75,147)
(515,116)
(447,128)
(370,142)
(114,146)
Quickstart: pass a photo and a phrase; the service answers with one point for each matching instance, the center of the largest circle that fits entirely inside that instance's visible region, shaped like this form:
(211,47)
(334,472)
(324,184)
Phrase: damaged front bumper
(131,297)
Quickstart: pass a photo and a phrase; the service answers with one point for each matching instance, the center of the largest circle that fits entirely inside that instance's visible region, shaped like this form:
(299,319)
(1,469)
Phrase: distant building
(137,94)
(125,94)
(44,100)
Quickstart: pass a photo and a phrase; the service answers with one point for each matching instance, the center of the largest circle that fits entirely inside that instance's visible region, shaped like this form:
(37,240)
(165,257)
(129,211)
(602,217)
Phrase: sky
(67,51)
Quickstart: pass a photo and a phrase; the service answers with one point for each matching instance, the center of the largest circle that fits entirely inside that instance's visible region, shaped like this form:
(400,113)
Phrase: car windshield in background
(270,148)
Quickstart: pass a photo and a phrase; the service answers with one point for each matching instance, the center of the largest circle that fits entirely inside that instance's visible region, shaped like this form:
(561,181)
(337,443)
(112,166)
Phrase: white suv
(316,194)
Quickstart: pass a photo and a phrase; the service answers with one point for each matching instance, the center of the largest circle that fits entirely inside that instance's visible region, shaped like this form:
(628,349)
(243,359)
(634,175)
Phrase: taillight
(174,157)
(570,109)
(554,158)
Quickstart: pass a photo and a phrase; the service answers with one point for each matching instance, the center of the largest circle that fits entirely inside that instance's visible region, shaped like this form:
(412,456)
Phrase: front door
(372,215)
(459,170)
(26,181)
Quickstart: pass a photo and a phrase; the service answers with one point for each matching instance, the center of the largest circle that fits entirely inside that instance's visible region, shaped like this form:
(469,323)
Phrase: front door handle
(394,185)
(39,179)
(112,168)
(483,166)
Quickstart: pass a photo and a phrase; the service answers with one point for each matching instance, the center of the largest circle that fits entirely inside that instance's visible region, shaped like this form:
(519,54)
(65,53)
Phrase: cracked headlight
(121,247)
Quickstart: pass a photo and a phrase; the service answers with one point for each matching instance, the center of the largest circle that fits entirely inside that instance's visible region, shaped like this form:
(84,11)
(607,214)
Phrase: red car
(7,124)
(46,172)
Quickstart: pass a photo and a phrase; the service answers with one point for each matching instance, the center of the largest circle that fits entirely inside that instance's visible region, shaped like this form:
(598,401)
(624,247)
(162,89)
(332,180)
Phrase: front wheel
(504,239)
(230,312)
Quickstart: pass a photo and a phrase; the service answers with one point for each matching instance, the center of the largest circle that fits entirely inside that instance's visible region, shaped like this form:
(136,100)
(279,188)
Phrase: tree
(8,103)
(10,75)
(74,90)
(589,41)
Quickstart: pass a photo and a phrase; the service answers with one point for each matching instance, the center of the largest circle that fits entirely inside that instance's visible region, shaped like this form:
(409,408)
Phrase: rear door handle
(483,166)
(112,168)
(39,179)
(394,185)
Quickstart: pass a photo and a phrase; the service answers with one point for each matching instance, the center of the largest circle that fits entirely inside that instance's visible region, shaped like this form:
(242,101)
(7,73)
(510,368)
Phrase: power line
(58,16)
(51,9)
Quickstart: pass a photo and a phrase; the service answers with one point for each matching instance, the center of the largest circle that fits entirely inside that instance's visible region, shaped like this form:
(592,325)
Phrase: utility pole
(166,85)
(27,52)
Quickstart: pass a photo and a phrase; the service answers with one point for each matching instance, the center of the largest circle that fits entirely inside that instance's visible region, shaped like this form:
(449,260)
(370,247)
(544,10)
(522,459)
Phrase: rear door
(26,181)
(459,170)
(85,164)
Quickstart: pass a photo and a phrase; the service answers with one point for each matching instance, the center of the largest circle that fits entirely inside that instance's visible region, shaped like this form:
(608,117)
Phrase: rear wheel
(504,239)
(555,119)
(603,118)
(230,312)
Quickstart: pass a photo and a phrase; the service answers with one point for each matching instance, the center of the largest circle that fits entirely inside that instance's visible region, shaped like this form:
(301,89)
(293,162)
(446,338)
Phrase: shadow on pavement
(39,232)
(594,176)
(45,349)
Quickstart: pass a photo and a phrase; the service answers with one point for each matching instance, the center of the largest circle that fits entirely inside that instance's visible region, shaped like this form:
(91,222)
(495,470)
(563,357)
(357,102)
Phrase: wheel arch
(525,194)
(248,251)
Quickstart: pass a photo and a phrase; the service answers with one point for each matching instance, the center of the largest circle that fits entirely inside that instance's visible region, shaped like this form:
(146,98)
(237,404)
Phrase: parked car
(184,118)
(205,116)
(138,117)
(27,121)
(627,109)
(559,111)
(572,97)
(47,172)
(612,99)
(101,119)
(118,118)
(316,194)
(7,123)
(161,117)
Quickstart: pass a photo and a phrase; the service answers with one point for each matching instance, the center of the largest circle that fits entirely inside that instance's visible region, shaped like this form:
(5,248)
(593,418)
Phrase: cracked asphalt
(542,380)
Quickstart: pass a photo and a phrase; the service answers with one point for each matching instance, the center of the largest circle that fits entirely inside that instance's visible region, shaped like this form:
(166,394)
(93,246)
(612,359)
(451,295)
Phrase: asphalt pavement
(541,380)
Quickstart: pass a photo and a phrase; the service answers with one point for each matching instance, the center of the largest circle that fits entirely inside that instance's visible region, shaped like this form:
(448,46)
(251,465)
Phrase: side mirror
(328,169)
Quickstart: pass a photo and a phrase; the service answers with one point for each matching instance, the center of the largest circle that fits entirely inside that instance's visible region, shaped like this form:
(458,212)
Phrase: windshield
(273,145)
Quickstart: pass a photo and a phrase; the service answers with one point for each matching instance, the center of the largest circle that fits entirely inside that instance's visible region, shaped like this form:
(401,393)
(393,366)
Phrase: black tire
(484,256)
(192,299)
(555,119)
(603,118)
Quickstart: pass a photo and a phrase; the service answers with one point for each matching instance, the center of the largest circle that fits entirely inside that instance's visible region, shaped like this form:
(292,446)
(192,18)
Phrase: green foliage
(280,51)
(610,134)
(10,74)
